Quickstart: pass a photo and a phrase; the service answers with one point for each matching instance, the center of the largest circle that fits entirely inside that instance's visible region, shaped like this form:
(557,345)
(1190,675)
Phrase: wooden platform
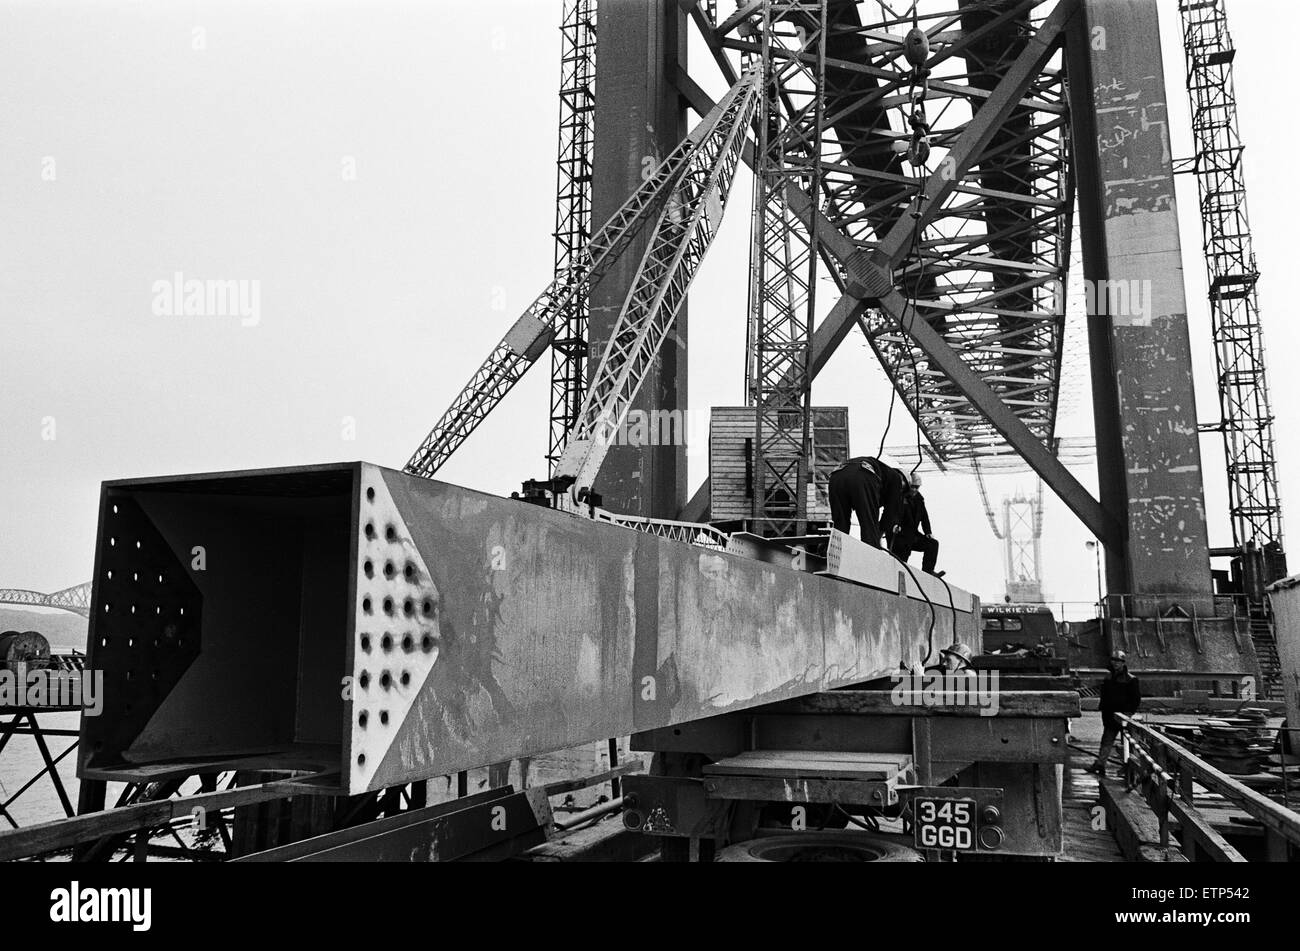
(1080,796)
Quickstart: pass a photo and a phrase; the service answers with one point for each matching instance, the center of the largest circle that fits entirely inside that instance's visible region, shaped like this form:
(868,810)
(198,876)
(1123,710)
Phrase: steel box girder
(396,628)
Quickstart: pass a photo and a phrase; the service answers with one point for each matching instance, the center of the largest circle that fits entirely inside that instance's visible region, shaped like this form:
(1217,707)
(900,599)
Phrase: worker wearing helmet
(914,529)
(1119,693)
(873,491)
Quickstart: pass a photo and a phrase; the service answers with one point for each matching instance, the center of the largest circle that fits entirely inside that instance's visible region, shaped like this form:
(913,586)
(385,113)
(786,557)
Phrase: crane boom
(533,332)
(681,238)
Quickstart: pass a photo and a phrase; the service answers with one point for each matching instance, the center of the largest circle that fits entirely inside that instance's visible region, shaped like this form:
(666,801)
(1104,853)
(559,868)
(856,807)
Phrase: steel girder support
(465,629)
(870,283)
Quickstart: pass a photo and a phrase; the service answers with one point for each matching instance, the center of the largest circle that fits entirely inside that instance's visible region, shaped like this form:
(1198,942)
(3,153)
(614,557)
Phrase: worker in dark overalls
(1119,693)
(873,491)
(914,529)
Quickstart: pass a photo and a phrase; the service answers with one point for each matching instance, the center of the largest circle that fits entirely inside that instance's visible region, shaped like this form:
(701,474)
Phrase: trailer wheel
(819,847)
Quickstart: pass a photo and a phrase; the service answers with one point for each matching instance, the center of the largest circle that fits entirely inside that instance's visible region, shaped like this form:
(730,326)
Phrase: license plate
(944,824)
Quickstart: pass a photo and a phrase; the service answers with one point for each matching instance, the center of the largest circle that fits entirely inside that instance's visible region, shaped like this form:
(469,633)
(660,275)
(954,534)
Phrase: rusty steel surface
(403,628)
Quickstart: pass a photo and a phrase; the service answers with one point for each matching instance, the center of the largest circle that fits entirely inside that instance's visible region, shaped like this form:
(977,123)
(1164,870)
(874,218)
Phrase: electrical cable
(870,824)
(919,76)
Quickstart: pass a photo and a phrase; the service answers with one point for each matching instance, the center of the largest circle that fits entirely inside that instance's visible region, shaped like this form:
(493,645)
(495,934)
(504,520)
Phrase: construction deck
(1080,796)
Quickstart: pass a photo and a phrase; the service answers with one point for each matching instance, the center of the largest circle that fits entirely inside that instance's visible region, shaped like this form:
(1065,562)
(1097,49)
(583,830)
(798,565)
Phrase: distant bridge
(75,599)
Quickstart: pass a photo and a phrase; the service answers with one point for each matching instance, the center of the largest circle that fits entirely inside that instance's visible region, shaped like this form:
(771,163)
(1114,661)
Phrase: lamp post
(1095,547)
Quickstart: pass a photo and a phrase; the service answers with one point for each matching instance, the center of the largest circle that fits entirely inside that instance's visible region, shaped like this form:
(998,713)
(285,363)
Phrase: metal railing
(1167,773)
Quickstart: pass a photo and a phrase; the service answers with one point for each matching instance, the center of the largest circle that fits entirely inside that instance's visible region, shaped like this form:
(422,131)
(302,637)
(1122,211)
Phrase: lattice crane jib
(1247,417)
(677,246)
(530,336)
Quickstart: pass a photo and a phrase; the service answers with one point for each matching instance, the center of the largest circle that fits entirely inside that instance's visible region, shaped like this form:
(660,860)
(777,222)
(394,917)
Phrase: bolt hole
(365,604)
(361,759)
(408,607)
(383,717)
(364,679)
(386,680)
(426,643)
(370,493)
(428,607)
(388,606)
(370,569)
(387,642)
(409,571)
(406,678)
(390,533)
(370,530)
(365,643)
(389,570)
(362,719)
(408,643)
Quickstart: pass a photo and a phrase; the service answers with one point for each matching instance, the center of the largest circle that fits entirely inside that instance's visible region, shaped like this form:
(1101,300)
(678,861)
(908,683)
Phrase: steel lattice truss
(1247,416)
(75,599)
(783,262)
(988,273)
(979,237)
(573,213)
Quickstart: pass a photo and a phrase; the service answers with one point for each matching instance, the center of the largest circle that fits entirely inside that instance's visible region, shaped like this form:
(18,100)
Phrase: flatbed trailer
(861,752)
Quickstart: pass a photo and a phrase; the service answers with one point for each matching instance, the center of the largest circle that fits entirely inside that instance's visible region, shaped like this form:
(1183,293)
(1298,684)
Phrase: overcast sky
(385,173)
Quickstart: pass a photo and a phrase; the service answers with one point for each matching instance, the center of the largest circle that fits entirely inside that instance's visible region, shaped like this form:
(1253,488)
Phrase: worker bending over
(914,529)
(873,491)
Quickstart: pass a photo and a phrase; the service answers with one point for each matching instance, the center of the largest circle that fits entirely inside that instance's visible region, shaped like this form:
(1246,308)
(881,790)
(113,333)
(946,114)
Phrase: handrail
(1277,820)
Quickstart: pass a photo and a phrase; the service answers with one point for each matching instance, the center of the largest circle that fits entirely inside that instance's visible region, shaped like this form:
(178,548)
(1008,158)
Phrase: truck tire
(819,847)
